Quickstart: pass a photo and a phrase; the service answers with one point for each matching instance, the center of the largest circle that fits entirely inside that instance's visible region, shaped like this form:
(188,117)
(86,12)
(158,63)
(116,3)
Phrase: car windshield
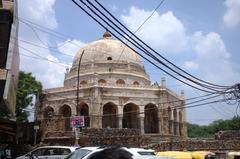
(78,154)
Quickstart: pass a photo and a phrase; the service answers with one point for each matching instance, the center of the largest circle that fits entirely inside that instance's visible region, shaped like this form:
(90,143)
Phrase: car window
(78,154)
(64,151)
(38,152)
(145,153)
(50,152)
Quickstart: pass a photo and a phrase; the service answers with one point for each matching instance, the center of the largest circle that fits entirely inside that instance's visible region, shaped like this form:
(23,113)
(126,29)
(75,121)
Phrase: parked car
(233,155)
(203,155)
(49,152)
(85,152)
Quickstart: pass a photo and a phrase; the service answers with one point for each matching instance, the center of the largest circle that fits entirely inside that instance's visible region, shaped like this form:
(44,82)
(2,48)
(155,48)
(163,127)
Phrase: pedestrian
(112,153)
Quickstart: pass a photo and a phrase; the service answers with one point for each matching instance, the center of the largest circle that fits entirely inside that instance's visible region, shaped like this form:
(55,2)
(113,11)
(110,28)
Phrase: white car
(49,152)
(85,152)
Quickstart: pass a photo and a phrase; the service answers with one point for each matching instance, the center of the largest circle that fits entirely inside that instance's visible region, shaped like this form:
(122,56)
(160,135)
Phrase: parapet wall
(197,145)
(108,136)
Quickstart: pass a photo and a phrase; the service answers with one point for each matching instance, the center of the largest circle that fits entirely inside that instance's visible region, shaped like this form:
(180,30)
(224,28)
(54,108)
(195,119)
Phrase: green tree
(205,131)
(27,87)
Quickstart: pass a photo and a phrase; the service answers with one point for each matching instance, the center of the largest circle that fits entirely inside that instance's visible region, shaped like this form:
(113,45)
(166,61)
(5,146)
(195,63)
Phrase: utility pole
(78,79)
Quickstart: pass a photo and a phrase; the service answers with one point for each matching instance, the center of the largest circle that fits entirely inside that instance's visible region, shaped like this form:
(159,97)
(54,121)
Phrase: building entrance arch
(109,118)
(151,119)
(83,110)
(131,116)
(65,111)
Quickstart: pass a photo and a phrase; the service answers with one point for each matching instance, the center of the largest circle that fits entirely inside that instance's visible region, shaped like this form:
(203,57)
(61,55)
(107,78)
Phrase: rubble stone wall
(193,145)
(108,136)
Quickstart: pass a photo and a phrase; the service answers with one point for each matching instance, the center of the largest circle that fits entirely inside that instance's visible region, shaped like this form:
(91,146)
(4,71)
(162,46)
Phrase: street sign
(77,121)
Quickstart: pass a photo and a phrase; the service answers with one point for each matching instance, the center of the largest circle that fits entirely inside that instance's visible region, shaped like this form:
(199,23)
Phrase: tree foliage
(206,131)
(27,87)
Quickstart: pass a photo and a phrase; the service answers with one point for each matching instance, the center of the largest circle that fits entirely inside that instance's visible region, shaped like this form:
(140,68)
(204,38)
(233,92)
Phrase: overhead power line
(145,43)
(139,47)
(104,21)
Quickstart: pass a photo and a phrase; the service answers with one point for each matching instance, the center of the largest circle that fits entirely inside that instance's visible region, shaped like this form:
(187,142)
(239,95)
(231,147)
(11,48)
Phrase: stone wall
(197,144)
(98,137)
(108,136)
(229,134)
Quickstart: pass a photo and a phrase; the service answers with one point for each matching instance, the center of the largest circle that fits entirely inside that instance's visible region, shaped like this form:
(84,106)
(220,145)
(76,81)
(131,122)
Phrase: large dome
(107,60)
(107,48)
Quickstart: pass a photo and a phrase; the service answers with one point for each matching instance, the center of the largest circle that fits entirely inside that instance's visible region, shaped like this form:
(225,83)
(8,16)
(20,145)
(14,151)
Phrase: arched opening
(83,110)
(109,119)
(83,83)
(48,112)
(102,82)
(109,58)
(135,83)
(65,111)
(120,82)
(131,116)
(170,121)
(175,129)
(151,119)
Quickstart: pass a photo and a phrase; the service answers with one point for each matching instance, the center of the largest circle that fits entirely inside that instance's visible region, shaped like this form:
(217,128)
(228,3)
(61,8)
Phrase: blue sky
(201,37)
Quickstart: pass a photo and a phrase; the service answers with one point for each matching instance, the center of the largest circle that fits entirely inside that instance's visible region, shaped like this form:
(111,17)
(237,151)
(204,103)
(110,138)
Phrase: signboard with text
(77,121)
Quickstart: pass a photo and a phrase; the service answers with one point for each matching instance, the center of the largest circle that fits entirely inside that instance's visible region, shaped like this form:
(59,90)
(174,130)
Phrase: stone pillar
(176,128)
(142,125)
(120,118)
(170,127)
(160,122)
(74,111)
(163,82)
(184,123)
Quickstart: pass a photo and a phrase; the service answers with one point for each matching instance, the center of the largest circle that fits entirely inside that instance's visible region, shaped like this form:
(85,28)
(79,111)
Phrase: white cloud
(49,73)
(232,16)
(210,45)
(207,54)
(70,47)
(167,29)
(213,59)
(38,11)
(190,65)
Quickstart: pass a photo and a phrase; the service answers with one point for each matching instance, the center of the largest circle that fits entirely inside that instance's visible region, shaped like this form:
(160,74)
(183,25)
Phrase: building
(114,92)
(9,67)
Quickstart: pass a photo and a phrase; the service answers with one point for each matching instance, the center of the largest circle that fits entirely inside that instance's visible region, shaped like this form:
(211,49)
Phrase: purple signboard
(77,121)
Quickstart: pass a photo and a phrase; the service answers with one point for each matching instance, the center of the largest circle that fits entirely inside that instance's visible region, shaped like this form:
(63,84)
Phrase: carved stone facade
(114,91)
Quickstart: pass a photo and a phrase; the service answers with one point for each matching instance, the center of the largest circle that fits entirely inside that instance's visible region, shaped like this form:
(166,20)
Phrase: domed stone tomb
(114,91)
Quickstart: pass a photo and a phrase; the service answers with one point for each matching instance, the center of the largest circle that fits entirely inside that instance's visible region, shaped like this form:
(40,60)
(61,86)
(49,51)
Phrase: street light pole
(79,65)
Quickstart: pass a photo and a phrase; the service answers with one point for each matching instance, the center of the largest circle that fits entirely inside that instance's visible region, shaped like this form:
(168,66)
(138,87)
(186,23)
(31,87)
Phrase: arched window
(102,82)
(131,116)
(66,112)
(48,112)
(83,83)
(109,118)
(109,58)
(83,110)
(135,83)
(120,82)
(151,119)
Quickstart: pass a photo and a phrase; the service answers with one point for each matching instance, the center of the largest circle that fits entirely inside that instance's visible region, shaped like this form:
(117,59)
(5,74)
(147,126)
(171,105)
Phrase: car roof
(126,148)
(92,148)
(67,147)
(138,149)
